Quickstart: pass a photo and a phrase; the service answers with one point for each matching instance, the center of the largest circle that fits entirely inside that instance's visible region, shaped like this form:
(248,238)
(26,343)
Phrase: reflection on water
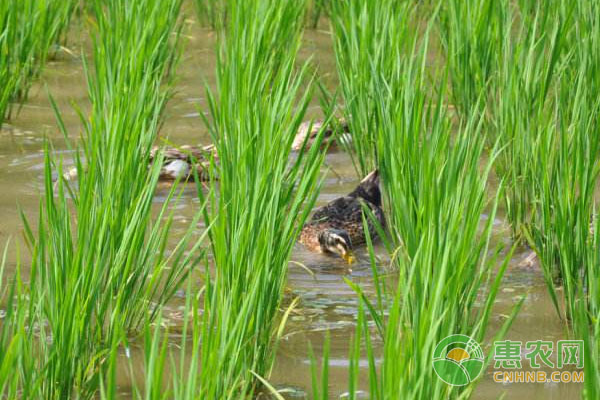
(326,302)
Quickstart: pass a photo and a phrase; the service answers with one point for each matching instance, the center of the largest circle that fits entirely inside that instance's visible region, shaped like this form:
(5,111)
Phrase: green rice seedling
(320,384)
(28,30)
(522,111)
(441,254)
(569,172)
(447,282)
(369,40)
(186,384)
(436,199)
(155,363)
(590,332)
(587,37)
(471,34)
(211,13)
(586,321)
(13,333)
(564,186)
(171,362)
(101,265)
(565,179)
(568,248)
(565,192)
(507,56)
(263,197)
(317,9)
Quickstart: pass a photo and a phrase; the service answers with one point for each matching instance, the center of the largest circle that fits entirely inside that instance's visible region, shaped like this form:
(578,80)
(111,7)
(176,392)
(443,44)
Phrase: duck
(309,130)
(337,227)
(180,162)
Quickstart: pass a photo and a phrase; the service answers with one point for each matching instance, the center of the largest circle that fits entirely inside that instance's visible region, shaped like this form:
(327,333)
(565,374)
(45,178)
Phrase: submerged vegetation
(444,98)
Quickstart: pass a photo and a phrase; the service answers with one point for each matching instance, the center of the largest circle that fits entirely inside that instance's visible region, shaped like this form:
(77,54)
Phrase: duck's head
(337,241)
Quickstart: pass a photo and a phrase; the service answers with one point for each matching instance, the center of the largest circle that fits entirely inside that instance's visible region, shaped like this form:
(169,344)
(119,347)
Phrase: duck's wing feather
(339,208)
(346,210)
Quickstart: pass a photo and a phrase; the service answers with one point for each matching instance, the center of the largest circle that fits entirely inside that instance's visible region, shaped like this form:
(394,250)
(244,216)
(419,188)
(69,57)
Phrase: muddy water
(327,303)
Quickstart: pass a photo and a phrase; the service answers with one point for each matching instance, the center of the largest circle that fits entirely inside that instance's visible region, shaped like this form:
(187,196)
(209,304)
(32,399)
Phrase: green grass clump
(439,221)
(565,193)
(369,40)
(161,376)
(436,196)
(506,56)
(587,323)
(262,198)
(101,265)
(523,111)
(316,10)
(13,334)
(471,36)
(28,30)
(565,234)
(211,13)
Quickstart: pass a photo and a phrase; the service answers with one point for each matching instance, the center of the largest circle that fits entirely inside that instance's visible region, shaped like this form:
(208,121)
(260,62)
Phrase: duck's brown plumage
(345,213)
(309,130)
(178,162)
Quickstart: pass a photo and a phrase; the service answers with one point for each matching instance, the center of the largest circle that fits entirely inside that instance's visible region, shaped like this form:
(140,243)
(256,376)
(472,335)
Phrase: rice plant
(565,192)
(320,384)
(555,168)
(523,78)
(316,10)
(587,301)
(101,267)
(471,35)
(211,13)
(587,324)
(162,376)
(524,110)
(506,56)
(261,200)
(369,40)
(28,30)
(436,197)
(13,334)
(565,231)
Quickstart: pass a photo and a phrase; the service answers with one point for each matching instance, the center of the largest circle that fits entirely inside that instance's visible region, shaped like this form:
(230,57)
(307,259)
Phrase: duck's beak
(349,257)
